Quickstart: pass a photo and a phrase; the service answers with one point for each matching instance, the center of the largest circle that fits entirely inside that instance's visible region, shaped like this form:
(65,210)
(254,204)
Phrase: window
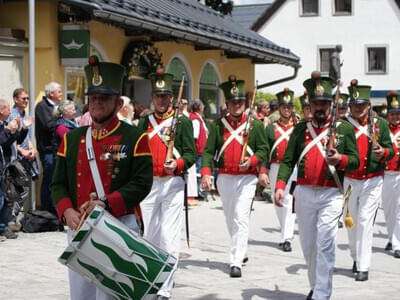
(310,7)
(376,60)
(343,7)
(209,92)
(324,60)
(176,67)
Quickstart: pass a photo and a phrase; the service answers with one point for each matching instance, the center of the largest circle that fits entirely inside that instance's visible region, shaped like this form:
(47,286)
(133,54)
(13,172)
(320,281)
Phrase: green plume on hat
(393,101)
(161,83)
(104,77)
(233,88)
(285,97)
(319,87)
(358,93)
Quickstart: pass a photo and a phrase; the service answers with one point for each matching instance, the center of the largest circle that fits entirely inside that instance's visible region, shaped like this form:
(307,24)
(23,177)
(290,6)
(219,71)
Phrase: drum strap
(93,165)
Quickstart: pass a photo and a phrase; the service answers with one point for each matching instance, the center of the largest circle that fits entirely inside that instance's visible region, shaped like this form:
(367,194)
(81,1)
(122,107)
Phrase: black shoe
(9,234)
(396,253)
(236,272)
(389,246)
(245,260)
(362,276)
(287,247)
(309,296)
(159,297)
(340,224)
(354,268)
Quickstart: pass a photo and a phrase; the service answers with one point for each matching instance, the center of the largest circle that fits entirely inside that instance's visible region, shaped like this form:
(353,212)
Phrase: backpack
(15,182)
(39,221)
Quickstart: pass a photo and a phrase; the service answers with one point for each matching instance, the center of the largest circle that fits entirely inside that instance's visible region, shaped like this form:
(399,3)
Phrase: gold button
(78,185)
(108,173)
(80,162)
(79,173)
(82,141)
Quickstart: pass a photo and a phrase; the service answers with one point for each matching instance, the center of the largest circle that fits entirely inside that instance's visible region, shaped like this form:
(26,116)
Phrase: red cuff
(343,163)
(180,164)
(205,171)
(280,185)
(254,161)
(386,155)
(263,170)
(62,206)
(117,204)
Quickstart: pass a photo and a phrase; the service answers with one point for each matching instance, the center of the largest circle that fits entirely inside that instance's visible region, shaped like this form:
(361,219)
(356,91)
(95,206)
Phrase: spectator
(85,119)
(45,125)
(9,133)
(263,111)
(184,108)
(25,150)
(274,113)
(127,111)
(64,115)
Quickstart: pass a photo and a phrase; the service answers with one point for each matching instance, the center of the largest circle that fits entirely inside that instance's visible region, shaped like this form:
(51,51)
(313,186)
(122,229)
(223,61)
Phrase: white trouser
(237,192)
(192,182)
(391,206)
(318,210)
(285,213)
(79,287)
(162,211)
(363,205)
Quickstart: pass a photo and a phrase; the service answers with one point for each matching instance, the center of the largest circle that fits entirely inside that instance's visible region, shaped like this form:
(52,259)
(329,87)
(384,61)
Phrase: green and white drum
(116,259)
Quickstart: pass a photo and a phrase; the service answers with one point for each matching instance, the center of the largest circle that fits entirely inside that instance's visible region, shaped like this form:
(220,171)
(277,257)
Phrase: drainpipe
(296,69)
(32,83)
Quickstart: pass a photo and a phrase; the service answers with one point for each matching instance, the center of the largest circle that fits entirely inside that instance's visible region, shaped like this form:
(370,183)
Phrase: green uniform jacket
(184,144)
(126,181)
(372,166)
(312,169)
(257,142)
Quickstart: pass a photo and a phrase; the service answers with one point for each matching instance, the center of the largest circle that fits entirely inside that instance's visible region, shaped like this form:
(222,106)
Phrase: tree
(223,6)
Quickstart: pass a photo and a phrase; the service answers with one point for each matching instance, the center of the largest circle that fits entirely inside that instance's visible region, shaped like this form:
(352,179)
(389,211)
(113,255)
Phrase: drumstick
(92,197)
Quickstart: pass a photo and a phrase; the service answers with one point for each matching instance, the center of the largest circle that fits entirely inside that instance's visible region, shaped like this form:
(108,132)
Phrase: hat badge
(319,89)
(234,91)
(384,111)
(97,79)
(286,98)
(306,101)
(160,83)
(340,101)
(394,102)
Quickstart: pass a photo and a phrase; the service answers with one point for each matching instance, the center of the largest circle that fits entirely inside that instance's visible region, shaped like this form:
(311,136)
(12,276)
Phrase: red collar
(109,129)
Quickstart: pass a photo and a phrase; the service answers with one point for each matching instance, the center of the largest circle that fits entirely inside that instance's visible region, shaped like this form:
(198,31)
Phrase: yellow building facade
(109,42)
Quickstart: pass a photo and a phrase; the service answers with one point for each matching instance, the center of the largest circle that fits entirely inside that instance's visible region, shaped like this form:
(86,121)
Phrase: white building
(368,30)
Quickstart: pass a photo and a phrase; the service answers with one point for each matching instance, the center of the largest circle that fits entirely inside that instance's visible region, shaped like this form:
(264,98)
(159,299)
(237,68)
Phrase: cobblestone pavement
(29,267)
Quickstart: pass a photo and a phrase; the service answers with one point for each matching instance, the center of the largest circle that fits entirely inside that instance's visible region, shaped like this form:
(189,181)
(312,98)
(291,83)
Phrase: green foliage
(224,7)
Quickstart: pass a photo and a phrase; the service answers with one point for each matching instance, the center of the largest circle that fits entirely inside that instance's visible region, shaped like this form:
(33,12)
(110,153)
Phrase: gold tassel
(348,220)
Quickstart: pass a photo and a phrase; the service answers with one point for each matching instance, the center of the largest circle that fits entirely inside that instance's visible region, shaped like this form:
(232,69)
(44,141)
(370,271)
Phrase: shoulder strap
(284,135)
(93,165)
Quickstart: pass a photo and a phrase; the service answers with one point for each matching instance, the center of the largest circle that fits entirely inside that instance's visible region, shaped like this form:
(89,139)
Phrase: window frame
(367,66)
(208,87)
(309,14)
(319,57)
(335,12)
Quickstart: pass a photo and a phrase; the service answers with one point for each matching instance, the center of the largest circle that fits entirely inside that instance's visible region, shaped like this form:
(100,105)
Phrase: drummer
(123,160)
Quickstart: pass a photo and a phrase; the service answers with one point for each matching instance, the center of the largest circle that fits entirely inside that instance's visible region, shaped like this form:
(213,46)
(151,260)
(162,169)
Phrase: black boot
(235,272)
(309,296)
(362,276)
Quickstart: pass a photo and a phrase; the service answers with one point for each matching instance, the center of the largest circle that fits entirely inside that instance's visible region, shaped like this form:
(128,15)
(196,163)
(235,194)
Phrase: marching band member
(319,178)
(236,180)
(278,134)
(375,148)
(391,178)
(123,159)
(163,207)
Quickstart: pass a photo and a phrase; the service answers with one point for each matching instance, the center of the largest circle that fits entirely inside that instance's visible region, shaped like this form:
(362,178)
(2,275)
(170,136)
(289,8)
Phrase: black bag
(39,221)
(15,183)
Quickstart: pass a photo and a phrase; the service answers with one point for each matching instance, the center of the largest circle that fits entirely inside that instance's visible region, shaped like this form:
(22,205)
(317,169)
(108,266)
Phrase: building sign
(74,45)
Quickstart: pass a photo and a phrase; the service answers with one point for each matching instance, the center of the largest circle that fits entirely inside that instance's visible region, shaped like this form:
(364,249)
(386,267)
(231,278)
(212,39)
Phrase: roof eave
(262,57)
